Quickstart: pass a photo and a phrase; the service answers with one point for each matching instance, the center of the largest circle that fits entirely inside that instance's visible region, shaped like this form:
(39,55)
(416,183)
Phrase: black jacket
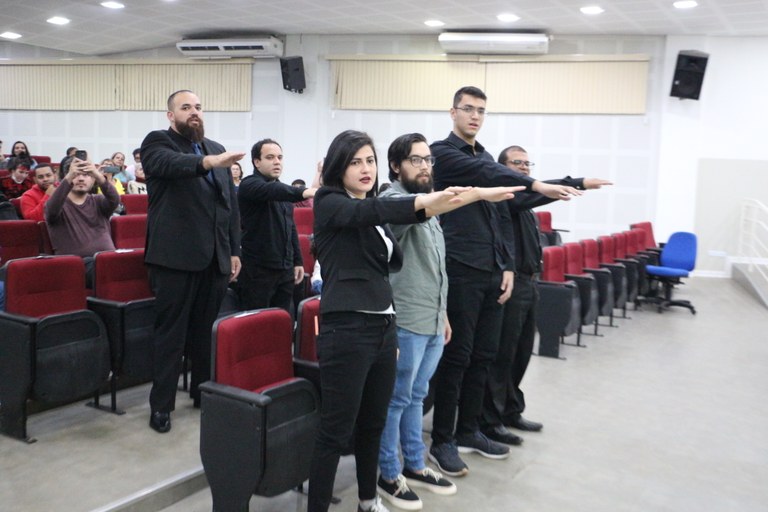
(352,254)
(270,238)
(189,221)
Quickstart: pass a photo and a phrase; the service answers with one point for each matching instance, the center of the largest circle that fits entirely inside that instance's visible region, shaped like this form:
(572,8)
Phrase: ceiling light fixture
(507,17)
(434,23)
(592,10)
(10,35)
(58,20)
(686,4)
(112,5)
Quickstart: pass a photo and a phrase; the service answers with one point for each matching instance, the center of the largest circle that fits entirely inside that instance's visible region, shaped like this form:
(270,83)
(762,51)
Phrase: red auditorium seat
(304,218)
(618,272)
(558,312)
(135,203)
(129,231)
(307,328)
(18,239)
(260,411)
(54,350)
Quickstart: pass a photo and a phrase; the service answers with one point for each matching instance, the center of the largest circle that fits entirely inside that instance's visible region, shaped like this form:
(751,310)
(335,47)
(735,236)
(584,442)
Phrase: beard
(416,186)
(193,133)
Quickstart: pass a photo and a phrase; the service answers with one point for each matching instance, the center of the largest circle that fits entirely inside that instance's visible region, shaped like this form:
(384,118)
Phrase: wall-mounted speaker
(689,74)
(293,74)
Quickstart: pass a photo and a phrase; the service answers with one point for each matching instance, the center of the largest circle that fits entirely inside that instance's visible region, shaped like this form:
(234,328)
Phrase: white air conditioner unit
(258,47)
(494,43)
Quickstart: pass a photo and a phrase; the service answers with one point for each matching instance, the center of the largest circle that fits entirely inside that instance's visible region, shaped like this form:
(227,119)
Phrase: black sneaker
(477,442)
(398,494)
(430,479)
(446,457)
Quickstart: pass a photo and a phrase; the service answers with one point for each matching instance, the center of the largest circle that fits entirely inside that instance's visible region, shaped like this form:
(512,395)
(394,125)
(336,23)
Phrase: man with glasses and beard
(193,246)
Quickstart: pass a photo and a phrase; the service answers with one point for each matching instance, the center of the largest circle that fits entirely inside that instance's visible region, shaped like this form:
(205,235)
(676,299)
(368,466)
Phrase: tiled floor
(665,413)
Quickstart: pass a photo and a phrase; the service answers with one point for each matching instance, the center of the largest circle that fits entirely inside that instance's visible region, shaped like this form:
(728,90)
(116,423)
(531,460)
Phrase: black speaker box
(293,74)
(689,74)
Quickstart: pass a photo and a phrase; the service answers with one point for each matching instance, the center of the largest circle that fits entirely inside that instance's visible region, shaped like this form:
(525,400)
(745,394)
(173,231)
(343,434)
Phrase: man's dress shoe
(502,435)
(523,424)
(160,421)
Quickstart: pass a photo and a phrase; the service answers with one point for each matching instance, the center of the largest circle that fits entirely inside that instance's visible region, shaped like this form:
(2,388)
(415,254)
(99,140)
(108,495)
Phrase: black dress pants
(358,363)
(504,400)
(262,287)
(459,381)
(186,304)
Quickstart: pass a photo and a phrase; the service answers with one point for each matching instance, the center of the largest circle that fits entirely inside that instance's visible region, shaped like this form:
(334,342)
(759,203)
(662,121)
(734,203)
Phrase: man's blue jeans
(419,355)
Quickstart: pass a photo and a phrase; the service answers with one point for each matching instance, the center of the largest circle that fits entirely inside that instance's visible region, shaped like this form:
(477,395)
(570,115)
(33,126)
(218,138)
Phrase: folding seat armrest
(233,393)
(612,266)
(627,261)
(309,370)
(579,279)
(652,257)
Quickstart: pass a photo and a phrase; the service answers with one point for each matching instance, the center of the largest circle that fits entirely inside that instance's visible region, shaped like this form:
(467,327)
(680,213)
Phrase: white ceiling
(147,24)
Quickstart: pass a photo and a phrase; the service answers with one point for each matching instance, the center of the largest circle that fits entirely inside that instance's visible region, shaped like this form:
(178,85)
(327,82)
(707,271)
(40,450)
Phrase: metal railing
(753,238)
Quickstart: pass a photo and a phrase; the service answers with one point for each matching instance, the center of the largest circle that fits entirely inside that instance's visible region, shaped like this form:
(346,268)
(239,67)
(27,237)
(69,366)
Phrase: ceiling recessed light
(434,23)
(112,5)
(507,17)
(686,4)
(58,20)
(592,9)
(10,35)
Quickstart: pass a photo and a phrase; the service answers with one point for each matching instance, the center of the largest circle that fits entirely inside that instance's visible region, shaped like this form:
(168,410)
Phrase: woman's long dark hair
(341,152)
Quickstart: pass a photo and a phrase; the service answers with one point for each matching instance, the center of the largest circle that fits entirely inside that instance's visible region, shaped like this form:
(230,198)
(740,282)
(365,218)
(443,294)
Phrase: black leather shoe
(523,424)
(502,435)
(160,421)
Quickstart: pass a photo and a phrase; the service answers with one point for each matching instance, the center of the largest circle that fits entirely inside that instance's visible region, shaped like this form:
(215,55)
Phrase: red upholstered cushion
(45,285)
(253,349)
(129,231)
(642,239)
(18,239)
(647,227)
(554,264)
(135,204)
(274,385)
(619,245)
(591,256)
(121,275)
(545,221)
(305,219)
(633,242)
(605,249)
(309,323)
(574,258)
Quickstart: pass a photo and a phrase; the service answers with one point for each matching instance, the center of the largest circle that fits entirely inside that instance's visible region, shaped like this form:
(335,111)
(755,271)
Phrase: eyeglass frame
(429,159)
(527,163)
(469,110)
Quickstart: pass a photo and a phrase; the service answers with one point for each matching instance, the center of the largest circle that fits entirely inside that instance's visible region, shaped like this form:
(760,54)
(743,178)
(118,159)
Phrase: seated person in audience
(33,200)
(78,220)
(69,154)
(20,150)
(316,183)
(237,174)
(139,185)
(109,170)
(18,181)
(7,210)
(122,175)
(131,169)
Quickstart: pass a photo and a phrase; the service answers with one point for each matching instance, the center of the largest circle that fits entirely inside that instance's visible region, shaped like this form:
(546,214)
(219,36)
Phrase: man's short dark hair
(503,158)
(469,91)
(299,182)
(42,166)
(173,97)
(136,151)
(400,149)
(256,149)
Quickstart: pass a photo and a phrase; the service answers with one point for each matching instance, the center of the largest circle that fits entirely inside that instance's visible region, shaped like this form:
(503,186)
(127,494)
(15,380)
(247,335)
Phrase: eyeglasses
(416,160)
(526,163)
(467,109)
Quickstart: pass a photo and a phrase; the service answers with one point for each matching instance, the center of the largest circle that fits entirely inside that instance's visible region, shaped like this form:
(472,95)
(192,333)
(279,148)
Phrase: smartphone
(111,169)
(81,154)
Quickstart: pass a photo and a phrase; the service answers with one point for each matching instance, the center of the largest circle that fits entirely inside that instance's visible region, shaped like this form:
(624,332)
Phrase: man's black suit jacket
(189,220)
(353,256)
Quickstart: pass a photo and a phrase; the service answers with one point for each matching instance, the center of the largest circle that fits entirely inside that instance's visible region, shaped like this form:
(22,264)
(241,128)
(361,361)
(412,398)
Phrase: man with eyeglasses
(504,400)
(480,272)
